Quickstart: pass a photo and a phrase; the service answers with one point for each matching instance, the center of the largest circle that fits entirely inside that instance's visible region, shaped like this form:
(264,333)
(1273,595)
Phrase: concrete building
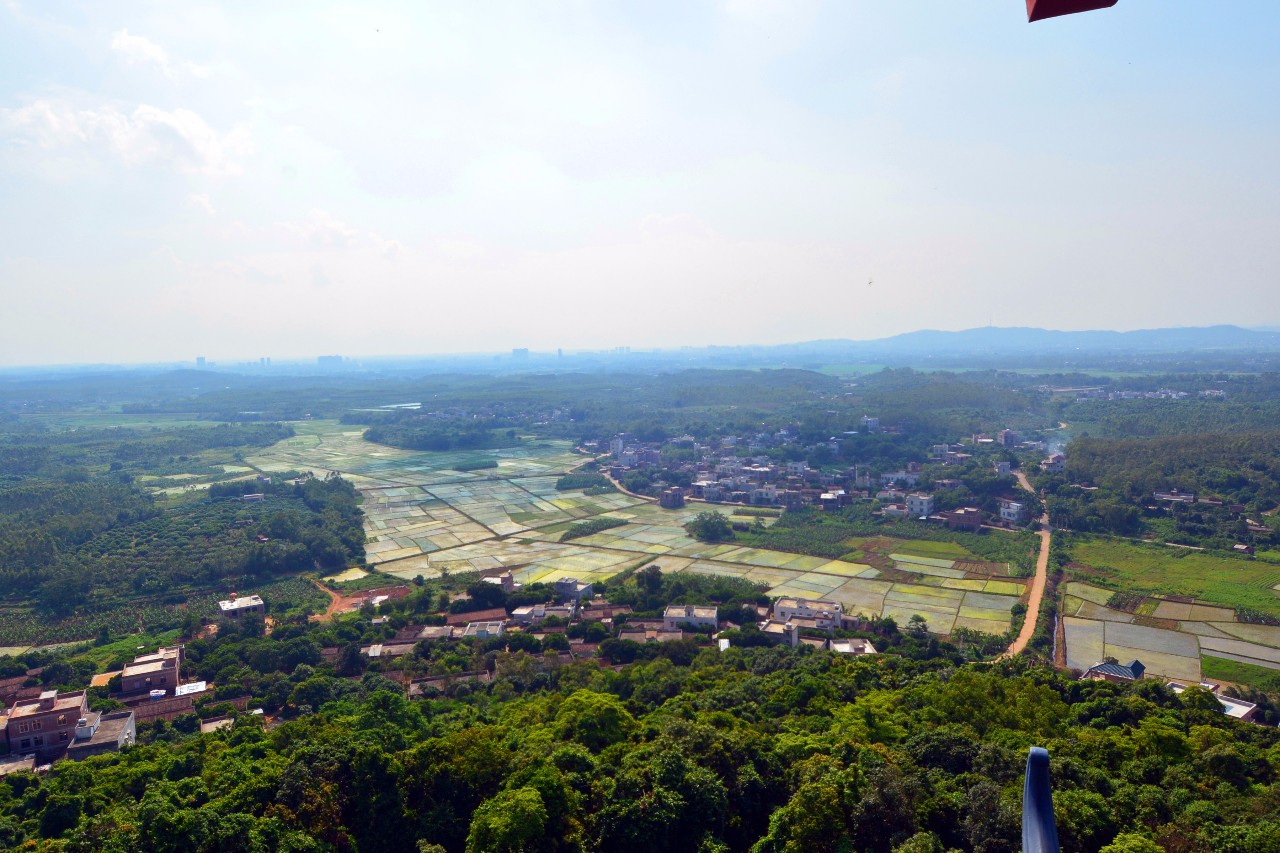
(161,670)
(1012,512)
(678,615)
(506,581)
(536,614)
(45,727)
(787,632)
(238,607)
(483,630)
(650,635)
(851,647)
(1054,464)
(966,518)
(765,495)
(919,504)
(569,589)
(672,498)
(97,734)
(1237,709)
(825,615)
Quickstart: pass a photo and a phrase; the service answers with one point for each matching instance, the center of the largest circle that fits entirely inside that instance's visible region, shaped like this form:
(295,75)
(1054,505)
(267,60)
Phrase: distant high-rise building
(329,360)
(199,362)
(520,352)
(559,353)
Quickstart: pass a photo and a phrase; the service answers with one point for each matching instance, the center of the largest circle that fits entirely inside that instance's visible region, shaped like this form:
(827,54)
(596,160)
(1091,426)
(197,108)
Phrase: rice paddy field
(1175,638)
(423,517)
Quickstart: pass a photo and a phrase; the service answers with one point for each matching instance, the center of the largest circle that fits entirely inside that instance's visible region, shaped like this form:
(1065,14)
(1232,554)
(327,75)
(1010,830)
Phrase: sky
(238,180)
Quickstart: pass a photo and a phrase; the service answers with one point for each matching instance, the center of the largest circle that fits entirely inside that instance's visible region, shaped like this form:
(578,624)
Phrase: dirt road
(1037,583)
(334,601)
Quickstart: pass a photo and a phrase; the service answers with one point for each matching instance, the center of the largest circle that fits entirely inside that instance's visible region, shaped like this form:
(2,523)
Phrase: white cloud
(178,138)
(323,230)
(202,201)
(140,50)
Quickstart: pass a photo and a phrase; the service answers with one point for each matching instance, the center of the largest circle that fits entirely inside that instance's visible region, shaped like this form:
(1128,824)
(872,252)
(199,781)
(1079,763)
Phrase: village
(41,726)
(743,470)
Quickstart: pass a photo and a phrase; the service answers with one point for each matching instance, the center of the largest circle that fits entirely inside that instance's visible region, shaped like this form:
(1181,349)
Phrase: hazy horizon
(231,181)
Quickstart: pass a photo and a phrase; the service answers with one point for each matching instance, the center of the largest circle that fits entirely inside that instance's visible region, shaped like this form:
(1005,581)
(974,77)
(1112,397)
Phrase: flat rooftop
(241,603)
(63,702)
(145,667)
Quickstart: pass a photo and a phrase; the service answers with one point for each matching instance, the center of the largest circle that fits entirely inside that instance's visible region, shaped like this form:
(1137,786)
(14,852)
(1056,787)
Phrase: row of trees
(687,750)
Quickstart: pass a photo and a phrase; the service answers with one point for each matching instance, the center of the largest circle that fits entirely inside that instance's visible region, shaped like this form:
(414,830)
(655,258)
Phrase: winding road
(1037,583)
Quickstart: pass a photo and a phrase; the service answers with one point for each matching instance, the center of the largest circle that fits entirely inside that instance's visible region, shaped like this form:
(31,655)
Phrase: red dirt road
(1037,583)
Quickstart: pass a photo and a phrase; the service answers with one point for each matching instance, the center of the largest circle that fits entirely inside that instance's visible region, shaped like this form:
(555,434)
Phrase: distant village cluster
(1098,392)
(40,726)
(737,470)
(578,603)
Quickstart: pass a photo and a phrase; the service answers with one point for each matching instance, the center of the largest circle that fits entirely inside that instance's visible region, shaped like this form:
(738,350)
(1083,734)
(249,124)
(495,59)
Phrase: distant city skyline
(407,179)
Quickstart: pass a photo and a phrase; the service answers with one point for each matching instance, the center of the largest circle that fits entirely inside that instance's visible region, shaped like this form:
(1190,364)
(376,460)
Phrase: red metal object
(1038,10)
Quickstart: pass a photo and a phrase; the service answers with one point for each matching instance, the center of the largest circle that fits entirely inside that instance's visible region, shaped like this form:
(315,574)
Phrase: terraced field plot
(1173,647)
(945,603)
(425,518)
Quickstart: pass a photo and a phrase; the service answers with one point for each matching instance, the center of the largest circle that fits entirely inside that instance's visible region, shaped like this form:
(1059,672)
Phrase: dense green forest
(90,549)
(29,450)
(82,543)
(1233,468)
(685,749)
(416,434)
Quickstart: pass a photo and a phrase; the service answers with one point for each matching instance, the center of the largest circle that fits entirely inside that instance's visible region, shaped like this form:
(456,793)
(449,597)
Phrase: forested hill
(101,552)
(1224,470)
(770,750)
(1237,467)
(92,540)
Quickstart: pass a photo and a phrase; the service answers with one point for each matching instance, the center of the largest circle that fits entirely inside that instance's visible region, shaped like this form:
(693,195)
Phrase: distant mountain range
(993,340)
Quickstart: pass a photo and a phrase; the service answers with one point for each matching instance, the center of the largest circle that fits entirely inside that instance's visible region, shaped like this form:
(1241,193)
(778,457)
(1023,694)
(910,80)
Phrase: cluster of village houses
(724,476)
(577,603)
(39,726)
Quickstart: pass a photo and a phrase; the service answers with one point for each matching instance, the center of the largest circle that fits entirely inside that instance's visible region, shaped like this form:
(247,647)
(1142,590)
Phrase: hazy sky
(246,179)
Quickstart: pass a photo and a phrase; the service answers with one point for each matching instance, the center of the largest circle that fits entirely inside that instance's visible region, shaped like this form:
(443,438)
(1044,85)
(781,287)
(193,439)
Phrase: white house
(919,504)
(1012,511)
(678,615)
(825,615)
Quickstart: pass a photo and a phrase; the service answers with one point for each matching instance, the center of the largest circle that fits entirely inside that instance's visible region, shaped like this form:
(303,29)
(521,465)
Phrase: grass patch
(1150,569)
(1238,672)
(936,550)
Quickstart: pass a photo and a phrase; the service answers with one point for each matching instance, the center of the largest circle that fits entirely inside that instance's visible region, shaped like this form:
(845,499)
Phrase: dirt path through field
(334,601)
(1037,583)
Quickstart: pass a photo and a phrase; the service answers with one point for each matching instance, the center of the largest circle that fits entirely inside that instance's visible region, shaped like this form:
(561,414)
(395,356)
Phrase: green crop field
(1238,672)
(1225,581)
(943,550)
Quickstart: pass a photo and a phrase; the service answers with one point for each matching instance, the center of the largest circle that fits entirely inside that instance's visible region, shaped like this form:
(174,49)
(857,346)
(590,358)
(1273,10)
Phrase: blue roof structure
(1132,671)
